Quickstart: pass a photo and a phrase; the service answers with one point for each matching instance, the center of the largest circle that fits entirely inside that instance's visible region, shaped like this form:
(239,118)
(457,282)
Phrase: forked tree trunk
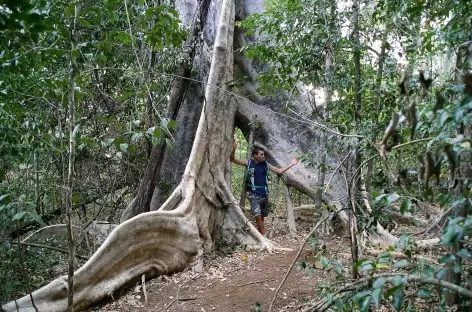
(174,235)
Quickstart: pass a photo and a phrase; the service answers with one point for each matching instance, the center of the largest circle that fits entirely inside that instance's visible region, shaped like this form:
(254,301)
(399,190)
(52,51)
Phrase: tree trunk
(290,216)
(70,175)
(378,87)
(180,104)
(250,143)
(358,158)
(174,235)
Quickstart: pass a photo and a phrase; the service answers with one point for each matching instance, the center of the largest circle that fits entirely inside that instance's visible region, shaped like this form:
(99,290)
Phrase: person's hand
(294,161)
(235,144)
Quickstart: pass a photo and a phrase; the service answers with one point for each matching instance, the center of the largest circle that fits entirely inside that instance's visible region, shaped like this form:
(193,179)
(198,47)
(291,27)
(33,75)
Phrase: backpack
(248,184)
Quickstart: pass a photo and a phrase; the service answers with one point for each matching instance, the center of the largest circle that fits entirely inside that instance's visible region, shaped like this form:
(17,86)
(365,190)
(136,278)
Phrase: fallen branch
(405,218)
(295,259)
(439,220)
(49,247)
(374,252)
(255,282)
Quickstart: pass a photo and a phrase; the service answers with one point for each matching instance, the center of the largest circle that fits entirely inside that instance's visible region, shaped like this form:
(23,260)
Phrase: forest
(129,131)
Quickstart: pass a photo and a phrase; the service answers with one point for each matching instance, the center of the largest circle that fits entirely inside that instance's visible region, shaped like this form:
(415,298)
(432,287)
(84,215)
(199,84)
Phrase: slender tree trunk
(250,143)
(378,88)
(290,216)
(36,183)
(22,267)
(70,175)
(329,93)
(149,97)
(357,118)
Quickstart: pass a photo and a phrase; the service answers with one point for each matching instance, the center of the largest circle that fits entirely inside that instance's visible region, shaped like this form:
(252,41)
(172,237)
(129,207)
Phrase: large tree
(165,238)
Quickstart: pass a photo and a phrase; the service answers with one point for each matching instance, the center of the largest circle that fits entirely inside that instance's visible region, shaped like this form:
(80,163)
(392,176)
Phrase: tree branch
(409,278)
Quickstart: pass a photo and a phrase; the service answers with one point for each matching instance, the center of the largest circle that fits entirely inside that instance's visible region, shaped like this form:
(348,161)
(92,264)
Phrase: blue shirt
(258,177)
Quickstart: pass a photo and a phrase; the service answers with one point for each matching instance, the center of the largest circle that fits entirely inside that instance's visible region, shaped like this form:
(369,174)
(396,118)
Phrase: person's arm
(283,169)
(233,157)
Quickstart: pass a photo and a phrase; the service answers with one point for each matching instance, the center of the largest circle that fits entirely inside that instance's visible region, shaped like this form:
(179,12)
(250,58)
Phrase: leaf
(397,299)
(64,31)
(400,264)
(339,304)
(157,133)
(392,197)
(136,137)
(324,261)
(361,295)
(6,245)
(465,144)
(377,296)
(108,142)
(2,197)
(424,294)
(124,147)
(442,272)
(172,124)
(85,23)
(36,217)
(406,206)
(18,216)
(379,283)
(444,117)
(366,304)
(463,253)
(76,198)
(447,258)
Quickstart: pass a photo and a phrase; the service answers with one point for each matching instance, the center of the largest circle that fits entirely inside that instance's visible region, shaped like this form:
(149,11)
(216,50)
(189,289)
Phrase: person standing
(256,181)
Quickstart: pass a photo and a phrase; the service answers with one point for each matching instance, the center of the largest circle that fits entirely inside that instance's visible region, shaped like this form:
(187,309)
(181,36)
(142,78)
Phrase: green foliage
(292,39)
(114,77)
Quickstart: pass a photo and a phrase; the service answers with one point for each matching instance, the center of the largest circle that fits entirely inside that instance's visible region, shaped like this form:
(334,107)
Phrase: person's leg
(264,209)
(260,224)
(255,202)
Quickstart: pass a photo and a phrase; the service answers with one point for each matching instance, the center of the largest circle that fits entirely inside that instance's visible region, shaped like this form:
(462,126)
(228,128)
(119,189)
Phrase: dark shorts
(259,205)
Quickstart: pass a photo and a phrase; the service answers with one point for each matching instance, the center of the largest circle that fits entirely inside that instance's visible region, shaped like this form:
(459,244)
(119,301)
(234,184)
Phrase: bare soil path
(235,282)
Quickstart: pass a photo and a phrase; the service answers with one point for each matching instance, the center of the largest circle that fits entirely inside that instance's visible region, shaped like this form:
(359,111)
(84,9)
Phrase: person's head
(258,154)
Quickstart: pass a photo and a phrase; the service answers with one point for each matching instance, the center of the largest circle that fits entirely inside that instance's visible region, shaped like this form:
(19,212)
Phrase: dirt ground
(237,281)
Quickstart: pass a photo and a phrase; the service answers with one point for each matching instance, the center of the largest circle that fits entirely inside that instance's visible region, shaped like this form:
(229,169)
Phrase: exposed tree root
(382,238)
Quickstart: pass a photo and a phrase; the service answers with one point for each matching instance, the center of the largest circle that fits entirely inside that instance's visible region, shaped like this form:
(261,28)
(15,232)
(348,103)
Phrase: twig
(295,259)
(143,281)
(423,232)
(172,302)
(212,283)
(336,170)
(169,305)
(255,282)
